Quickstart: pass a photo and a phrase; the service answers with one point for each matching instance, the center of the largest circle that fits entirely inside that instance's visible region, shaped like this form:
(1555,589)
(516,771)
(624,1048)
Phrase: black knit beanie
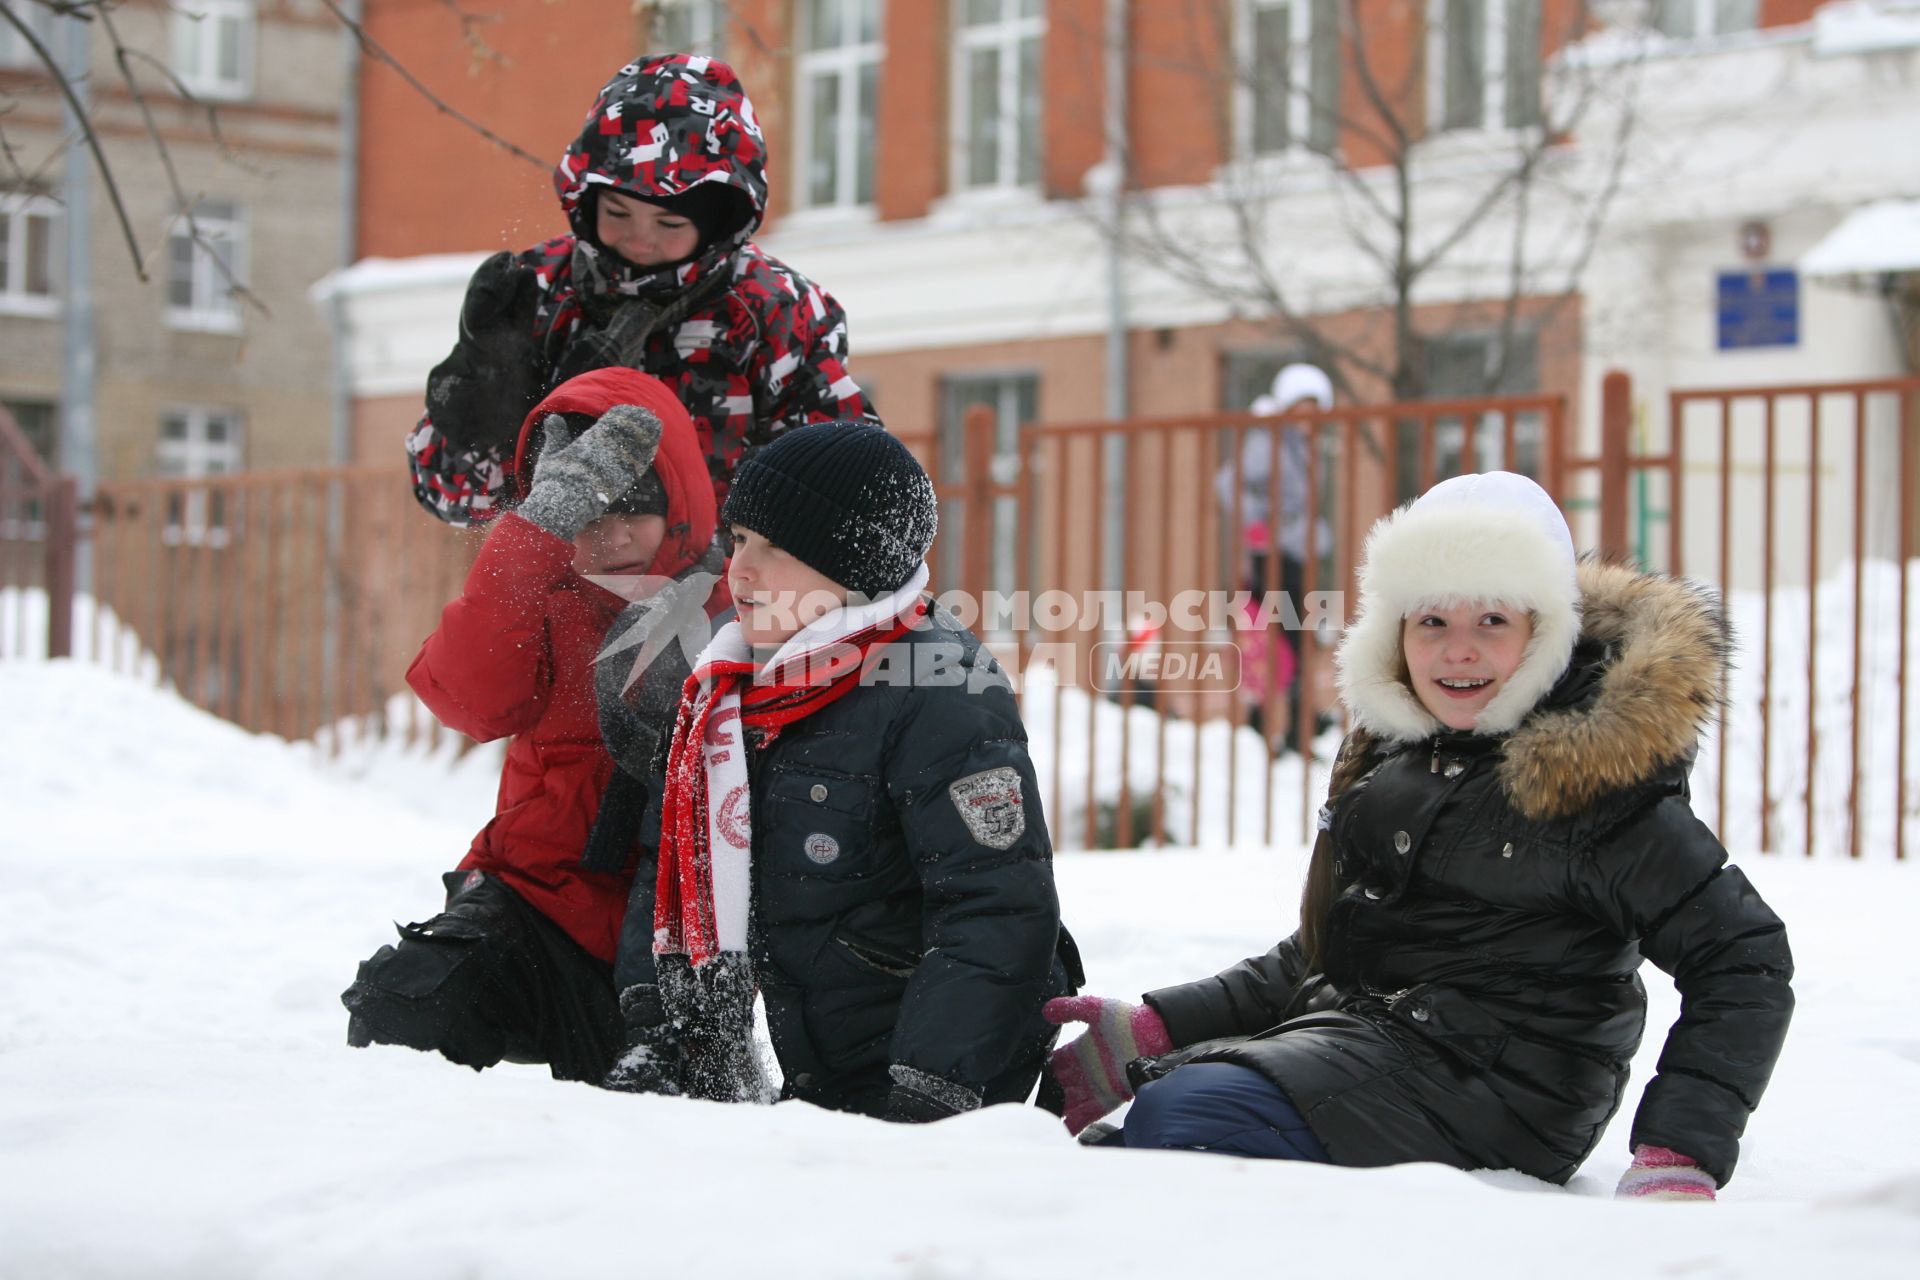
(845,498)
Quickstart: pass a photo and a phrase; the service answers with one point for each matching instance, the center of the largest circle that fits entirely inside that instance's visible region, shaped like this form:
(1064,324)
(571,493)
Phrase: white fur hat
(1301,382)
(1496,537)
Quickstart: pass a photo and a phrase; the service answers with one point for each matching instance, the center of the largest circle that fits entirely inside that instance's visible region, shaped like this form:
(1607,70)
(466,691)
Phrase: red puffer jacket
(513,656)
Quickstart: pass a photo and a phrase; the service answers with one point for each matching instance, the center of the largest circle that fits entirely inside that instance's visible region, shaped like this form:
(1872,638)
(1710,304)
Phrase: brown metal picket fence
(289,602)
(1176,537)
(1800,500)
(38,543)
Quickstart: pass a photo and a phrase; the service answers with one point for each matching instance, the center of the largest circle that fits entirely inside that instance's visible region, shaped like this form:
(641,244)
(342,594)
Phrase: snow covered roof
(1875,238)
(1865,26)
(374,275)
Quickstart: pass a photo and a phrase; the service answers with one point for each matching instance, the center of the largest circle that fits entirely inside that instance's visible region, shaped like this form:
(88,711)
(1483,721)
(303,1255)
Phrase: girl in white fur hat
(1506,838)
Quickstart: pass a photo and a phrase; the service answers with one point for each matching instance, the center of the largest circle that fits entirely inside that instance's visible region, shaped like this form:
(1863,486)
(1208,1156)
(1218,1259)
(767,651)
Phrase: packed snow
(182,903)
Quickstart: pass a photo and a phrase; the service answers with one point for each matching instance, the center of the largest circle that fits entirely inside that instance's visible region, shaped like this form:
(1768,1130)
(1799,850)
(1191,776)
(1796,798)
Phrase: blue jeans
(1216,1106)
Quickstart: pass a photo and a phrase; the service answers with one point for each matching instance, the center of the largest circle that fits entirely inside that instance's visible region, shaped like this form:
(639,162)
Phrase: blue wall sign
(1759,309)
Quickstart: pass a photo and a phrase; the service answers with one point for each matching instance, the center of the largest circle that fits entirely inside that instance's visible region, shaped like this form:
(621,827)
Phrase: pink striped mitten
(1092,1070)
(1661,1174)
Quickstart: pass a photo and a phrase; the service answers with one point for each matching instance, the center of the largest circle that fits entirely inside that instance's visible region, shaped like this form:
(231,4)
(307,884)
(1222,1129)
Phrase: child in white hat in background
(1271,500)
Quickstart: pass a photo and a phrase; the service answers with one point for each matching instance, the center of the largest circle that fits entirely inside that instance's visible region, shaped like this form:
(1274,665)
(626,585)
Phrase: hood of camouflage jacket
(661,126)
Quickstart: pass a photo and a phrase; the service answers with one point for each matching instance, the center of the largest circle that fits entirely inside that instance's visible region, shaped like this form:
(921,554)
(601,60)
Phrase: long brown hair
(1316,898)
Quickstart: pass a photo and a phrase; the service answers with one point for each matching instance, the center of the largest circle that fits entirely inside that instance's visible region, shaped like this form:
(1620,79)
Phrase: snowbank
(182,902)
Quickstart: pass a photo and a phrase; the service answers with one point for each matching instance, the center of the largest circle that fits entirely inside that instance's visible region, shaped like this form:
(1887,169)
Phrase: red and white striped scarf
(706,831)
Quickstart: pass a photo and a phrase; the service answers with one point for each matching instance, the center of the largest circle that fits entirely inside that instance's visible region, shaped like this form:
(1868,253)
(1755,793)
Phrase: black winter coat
(1479,1003)
(903,900)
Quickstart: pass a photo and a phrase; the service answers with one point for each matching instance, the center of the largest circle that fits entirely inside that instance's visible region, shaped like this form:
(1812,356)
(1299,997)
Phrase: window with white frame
(996,92)
(14,49)
(205,260)
(838,77)
(1692,19)
(689,26)
(26,253)
(198,442)
(1483,64)
(213,46)
(1290,86)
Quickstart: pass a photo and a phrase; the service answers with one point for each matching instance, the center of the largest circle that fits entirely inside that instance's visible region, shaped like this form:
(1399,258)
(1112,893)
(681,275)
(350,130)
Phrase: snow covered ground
(180,904)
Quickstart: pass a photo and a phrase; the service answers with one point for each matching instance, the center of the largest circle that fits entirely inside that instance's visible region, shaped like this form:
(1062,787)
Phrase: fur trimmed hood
(1662,677)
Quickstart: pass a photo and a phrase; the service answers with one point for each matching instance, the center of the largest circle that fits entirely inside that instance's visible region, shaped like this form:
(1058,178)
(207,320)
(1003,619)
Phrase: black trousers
(489,979)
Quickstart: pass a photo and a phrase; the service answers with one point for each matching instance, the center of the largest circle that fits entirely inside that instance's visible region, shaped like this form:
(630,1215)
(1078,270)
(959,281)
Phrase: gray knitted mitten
(575,481)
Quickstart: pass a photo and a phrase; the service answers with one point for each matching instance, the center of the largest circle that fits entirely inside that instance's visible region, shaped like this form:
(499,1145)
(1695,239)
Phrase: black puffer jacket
(888,927)
(1479,1003)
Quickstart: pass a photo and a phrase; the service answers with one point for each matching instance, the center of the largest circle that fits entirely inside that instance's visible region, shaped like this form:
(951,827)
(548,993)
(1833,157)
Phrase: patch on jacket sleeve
(991,805)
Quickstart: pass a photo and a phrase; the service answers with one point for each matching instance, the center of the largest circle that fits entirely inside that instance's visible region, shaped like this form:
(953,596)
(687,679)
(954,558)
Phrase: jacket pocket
(1452,1023)
(889,961)
(818,824)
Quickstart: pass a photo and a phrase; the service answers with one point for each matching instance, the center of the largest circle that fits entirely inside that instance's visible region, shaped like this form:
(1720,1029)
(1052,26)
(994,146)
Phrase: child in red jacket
(519,964)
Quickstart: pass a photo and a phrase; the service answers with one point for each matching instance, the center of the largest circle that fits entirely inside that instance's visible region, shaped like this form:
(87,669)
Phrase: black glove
(653,1061)
(576,481)
(481,393)
(711,1010)
(920,1097)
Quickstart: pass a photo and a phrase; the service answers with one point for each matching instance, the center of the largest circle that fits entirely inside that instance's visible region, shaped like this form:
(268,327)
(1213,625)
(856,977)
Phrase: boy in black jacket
(849,819)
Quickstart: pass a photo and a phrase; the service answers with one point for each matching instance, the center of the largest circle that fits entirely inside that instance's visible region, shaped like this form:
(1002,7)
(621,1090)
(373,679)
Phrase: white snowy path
(181,903)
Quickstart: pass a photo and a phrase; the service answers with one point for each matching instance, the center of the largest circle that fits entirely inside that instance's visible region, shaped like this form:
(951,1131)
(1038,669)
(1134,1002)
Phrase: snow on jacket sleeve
(991,916)
(1248,997)
(802,364)
(488,667)
(1662,879)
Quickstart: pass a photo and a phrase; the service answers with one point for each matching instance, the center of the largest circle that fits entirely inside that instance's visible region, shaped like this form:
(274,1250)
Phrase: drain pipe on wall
(1119,400)
(340,373)
(79,451)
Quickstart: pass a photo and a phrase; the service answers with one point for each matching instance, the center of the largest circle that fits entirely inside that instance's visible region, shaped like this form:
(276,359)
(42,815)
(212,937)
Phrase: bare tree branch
(123,59)
(1382,190)
(1588,237)
(470,24)
(1370,83)
(123,56)
(20,177)
(105,170)
(374,50)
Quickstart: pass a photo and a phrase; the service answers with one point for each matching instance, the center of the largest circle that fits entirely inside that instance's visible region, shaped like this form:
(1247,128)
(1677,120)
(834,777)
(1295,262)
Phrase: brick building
(938,165)
(188,377)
